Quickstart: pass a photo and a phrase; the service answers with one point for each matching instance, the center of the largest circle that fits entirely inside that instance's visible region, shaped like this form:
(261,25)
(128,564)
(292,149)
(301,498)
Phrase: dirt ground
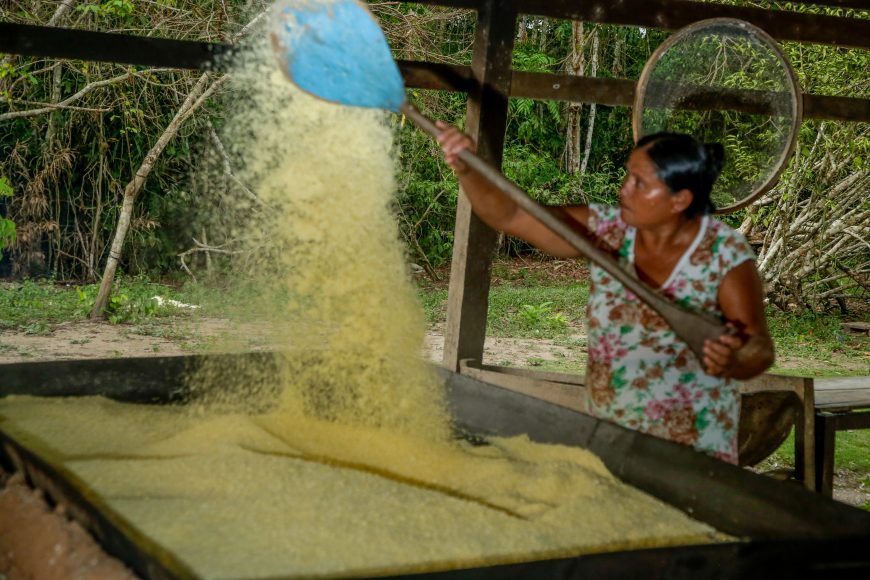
(38,541)
(89,340)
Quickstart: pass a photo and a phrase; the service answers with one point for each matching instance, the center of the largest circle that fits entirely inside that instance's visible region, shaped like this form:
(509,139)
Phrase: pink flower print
(686,394)
(606,350)
(656,409)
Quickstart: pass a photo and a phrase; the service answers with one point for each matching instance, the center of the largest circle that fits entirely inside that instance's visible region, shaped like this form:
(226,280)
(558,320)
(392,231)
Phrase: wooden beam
(859,4)
(674,14)
(546,86)
(836,108)
(605,91)
(68,43)
(437,76)
(474,241)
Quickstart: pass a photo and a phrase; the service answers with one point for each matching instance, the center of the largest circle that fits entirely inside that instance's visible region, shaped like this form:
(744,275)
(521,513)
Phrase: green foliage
(850,453)
(8,233)
(539,318)
(434,304)
(131,301)
(817,337)
(35,303)
(34,307)
(535,311)
(76,162)
(109,8)
(5,188)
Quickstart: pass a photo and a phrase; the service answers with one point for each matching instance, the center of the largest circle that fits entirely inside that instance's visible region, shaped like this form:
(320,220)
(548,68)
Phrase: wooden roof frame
(490,82)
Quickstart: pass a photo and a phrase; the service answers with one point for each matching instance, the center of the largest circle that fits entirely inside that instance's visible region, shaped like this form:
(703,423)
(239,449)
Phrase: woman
(640,374)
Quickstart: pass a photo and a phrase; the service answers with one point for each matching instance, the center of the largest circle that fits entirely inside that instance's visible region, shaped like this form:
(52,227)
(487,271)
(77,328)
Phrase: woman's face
(644,198)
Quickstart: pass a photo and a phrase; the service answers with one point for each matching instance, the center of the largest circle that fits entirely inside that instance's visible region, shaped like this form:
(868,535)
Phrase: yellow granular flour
(321,272)
(245,496)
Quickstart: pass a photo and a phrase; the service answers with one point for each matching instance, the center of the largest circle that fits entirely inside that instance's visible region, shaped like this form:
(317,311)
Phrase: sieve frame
(795,93)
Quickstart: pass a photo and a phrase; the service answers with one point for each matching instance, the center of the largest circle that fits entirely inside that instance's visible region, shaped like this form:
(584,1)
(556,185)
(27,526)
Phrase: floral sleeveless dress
(640,374)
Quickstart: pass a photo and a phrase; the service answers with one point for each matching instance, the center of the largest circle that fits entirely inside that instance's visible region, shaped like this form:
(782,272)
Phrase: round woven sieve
(727,81)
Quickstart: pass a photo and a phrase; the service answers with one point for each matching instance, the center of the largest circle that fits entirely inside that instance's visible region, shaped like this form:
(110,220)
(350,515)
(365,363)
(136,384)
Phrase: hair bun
(715,157)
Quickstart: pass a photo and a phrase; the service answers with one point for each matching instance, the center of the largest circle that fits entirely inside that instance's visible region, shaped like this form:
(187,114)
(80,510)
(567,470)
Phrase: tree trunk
(590,125)
(576,64)
(196,97)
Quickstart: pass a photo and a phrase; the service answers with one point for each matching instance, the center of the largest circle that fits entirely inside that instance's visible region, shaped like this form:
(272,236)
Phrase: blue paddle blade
(335,50)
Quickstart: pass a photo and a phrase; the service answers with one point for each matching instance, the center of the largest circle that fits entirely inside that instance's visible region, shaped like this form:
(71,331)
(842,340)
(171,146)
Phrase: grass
(33,307)
(536,311)
(820,340)
(530,309)
(523,303)
(851,453)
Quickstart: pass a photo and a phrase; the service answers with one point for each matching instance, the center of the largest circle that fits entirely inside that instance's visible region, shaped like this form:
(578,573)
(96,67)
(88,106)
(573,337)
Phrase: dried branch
(84,91)
(202,247)
(227,167)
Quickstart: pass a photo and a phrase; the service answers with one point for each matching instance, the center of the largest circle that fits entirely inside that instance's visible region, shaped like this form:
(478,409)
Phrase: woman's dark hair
(683,162)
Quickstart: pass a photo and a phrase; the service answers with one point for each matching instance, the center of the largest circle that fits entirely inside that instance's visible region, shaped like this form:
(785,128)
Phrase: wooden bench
(840,404)
(770,406)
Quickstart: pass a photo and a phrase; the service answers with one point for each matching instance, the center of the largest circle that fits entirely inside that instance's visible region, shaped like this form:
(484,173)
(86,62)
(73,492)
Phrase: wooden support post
(804,437)
(827,425)
(474,241)
(825,440)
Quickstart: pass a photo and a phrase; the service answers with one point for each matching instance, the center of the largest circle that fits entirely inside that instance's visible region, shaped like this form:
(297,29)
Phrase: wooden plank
(437,76)
(546,86)
(88,45)
(825,445)
(843,383)
(474,241)
(675,14)
(846,400)
(570,396)
(611,92)
(146,51)
(773,382)
(836,108)
(851,420)
(551,376)
(860,4)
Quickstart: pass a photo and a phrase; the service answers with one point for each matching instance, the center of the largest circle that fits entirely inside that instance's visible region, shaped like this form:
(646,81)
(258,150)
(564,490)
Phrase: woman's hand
(452,141)
(741,297)
(720,355)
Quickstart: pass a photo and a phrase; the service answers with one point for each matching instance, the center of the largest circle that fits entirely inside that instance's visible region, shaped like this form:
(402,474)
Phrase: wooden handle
(693,328)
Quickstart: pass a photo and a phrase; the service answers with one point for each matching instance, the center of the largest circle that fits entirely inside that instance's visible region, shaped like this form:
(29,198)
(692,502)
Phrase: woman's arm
(497,210)
(750,352)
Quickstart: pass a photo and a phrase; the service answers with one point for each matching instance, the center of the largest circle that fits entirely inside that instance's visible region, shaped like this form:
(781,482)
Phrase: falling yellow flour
(244,496)
(320,258)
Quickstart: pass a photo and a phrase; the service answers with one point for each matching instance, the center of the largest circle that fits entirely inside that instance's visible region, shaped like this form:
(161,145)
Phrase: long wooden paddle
(335,50)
